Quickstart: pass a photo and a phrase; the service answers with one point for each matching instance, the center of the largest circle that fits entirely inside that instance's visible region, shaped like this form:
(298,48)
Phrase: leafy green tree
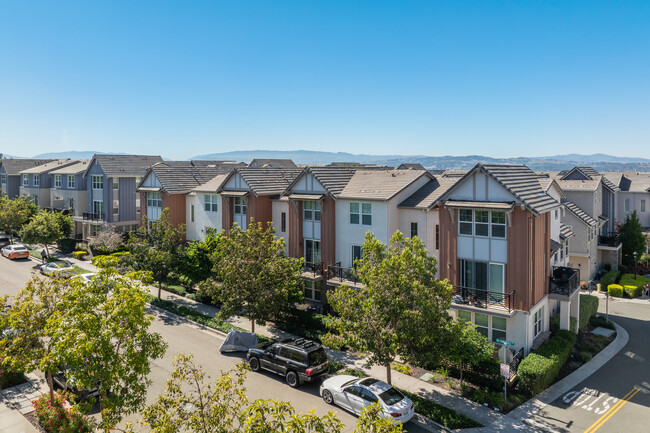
(197,261)
(154,247)
(401,308)
(65,223)
(15,213)
(43,229)
(191,402)
(256,275)
(467,347)
(632,238)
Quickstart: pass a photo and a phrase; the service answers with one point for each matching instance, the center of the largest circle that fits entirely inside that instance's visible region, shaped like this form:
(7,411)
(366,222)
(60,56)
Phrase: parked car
(298,360)
(4,240)
(64,378)
(58,269)
(355,394)
(15,251)
(86,278)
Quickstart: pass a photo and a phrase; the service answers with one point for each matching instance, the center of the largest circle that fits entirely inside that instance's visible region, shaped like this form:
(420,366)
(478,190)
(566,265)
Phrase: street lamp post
(635,254)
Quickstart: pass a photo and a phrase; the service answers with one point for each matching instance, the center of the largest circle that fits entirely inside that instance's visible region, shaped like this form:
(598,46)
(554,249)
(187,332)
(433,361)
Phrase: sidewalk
(17,401)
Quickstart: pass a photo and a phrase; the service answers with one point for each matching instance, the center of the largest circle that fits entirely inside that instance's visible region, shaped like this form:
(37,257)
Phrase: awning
(149,189)
(565,232)
(234,193)
(312,197)
(479,204)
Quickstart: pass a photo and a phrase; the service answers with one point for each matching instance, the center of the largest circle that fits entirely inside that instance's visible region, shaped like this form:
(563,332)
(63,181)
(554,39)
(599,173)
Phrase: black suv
(298,360)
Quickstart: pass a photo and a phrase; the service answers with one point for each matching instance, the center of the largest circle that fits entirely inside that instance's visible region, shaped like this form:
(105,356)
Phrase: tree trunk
(50,383)
(389,380)
(47,251)
(461,376)
(253,325)
(159,289)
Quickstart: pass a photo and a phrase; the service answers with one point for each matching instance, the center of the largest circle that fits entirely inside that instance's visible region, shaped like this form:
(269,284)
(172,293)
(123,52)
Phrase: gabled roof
(272,163)
(579,184)
(632,181)
(413,166)
(427,197)
(48,166)
(380,184)
(332,178)
(13,166)
(212,185)
(124,165)
(579,213)
(590,174)
(566,232)
(180,177)
(264,181)
(518,180)
(76,168)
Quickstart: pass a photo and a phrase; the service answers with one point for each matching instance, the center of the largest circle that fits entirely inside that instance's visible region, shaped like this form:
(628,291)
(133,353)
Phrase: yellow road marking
(607,415)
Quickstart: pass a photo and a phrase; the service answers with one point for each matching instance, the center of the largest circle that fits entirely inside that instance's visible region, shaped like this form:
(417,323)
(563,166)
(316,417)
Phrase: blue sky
(499,78)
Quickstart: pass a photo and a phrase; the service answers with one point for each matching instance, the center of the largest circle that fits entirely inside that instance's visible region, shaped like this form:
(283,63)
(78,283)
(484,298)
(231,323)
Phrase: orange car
(15,252)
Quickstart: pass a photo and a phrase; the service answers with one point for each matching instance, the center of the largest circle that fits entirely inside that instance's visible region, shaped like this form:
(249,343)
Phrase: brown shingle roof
(180,177)
(379,184)
(13,166)
(582,215)
(427,196)
(265,181)
(125,165)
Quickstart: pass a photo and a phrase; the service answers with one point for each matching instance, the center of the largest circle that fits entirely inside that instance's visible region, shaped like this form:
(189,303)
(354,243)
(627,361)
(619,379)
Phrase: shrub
(335,366)
(79,255)
(178,290)
(588,309)
(55,418)
(9,378)
(554,324)
(601,321)
(539,369)
(304,324)
(632,291)
(585,357)
(353,372)
(107,241)
(615,290)
(66,245)
(609,278)
(402,368)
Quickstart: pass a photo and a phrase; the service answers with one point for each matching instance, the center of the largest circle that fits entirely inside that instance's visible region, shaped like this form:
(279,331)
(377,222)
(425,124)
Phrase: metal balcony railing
(336,271)
(92,216)
(609,240)
(564,281)
(514,364)
(314,268)
(484,298)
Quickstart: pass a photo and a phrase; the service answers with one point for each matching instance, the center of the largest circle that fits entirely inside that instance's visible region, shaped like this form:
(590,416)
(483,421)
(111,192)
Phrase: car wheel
(254,363)
(327,397)
(292,379)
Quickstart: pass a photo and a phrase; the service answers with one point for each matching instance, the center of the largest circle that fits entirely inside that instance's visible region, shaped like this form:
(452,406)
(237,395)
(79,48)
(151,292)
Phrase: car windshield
(317,357)
(20,249)
(391,396)
(62,265)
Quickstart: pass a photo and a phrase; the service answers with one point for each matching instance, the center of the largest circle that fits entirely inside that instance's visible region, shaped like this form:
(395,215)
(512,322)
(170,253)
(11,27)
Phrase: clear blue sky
(499,78)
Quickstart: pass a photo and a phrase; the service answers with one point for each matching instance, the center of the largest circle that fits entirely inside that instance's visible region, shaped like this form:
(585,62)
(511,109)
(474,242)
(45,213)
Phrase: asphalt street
(617,397)
(187,338)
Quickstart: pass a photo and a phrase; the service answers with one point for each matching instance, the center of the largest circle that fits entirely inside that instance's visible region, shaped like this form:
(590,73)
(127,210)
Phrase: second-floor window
(356,254)
(626,205)
(3,178)
(57,181)
(154,199)
(437,236)
(211,203)
(311,211)
(642,205)
(240,206)
(37,180)
(538,322)
(98,182)
(283,222)
(71,181)
(361,213)
(482,223)
(25,180)
(414,229)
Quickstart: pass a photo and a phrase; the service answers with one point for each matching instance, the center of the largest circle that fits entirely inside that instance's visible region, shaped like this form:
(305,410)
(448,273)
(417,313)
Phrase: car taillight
(395,414)
(309,371)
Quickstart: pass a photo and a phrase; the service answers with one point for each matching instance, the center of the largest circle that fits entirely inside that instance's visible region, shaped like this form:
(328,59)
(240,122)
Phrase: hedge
(588,309)
(539,369)
(632,291)
(633,287)
(609,278)
(615,290)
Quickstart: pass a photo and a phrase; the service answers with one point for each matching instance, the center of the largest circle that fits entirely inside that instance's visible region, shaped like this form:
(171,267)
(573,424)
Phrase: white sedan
(86,278)
(58,269)
(355,394)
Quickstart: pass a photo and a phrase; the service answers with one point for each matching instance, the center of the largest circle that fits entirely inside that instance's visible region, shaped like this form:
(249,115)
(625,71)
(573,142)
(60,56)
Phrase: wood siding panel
(448,265)
(328,232)
(541,255)
(295,229)
(517,269)
(176,205)
(226,214)
(143,207)
(260,209)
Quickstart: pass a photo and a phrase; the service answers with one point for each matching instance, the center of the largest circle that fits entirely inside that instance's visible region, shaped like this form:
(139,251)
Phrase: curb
(189,321)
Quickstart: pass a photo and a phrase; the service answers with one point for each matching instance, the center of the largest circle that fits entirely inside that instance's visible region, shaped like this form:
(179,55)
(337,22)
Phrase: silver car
(354,394)
(57,269)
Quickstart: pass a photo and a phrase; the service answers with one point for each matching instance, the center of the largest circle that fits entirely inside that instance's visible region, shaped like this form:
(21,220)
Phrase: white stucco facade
(198,219)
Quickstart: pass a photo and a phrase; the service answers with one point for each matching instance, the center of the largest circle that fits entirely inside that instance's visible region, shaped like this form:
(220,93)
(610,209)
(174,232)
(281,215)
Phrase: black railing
(314,268)
(609,240)
(514,364)
(484,298)
(564,281)
(337,272)
(92,216)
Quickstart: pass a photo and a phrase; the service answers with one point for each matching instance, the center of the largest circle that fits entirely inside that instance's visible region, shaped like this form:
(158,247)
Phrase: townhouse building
(10,178)
(203,209)
(37,182)
(69,192)
(633,195)
(112,198)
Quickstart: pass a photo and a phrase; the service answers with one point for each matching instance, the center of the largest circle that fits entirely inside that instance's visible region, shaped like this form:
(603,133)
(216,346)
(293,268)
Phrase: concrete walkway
(17,401)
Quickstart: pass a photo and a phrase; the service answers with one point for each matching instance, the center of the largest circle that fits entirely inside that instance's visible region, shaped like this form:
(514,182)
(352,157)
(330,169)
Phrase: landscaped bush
(402,368)
(615,290)
(633,287)
(585,357)
(554,324)
(632,291)
(539,369)
(79,255)
(352,372)
(304,324)
(601,321)
(9,378)
(588,309)
(485,374)
(592,343)
(609,278)
(66,245)
(55,418)
(178,290)
(440,414)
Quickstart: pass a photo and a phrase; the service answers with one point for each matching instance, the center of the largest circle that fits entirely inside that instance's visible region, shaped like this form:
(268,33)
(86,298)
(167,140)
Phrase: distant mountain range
(598,161)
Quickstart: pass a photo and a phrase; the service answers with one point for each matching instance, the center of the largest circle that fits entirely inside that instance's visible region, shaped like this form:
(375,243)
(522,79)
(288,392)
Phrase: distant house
(10,178)
(111,191)
(37,182)
(413,166)
(69,191)
(204,209)
(634,195)
(272,163)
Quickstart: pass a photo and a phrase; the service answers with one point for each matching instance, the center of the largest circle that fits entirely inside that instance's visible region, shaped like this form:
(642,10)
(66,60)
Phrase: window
(154,199)
(313,290)
(498,221)
(240,206)
(496,277)
(311,211)
(557,213)
(482,275)
(25,180)
(192,213)
(414,229)
(465,221)
(57,181)
(437,236)
(538,322)
(3,178)
(98,207)
(211,203)
(356,254)
(283,222)
(498,328)
(71,181)
(642,205)
(312,251)
(626,205)
(37,180)
(98,182)
(555,258)
(481,219)
(481,322)
(361,213)
(116,183)
(71,204)
(464,315)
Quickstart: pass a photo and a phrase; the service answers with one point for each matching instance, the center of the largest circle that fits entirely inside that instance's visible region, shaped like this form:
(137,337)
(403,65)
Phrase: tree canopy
(467,347)
(632,238)
(46,228)
(401,308)
(15,213)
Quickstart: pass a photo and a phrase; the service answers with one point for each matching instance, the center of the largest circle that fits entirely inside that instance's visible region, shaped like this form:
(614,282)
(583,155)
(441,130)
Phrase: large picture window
(482,223)
(211,203)
(311,211)
(98,182)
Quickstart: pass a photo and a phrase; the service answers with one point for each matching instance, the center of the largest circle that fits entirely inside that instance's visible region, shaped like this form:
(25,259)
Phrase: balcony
(92,216)
(339,275)
(609,240)
(315,269)
(564,281)
(480,298)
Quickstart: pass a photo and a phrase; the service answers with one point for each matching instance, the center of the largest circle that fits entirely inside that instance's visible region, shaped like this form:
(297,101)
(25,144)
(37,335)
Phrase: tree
(154,247)
(198,256)
(43,229)
(632,238)
(401,308)
(467,346)
(191,402)
(15,213)
(256,275)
